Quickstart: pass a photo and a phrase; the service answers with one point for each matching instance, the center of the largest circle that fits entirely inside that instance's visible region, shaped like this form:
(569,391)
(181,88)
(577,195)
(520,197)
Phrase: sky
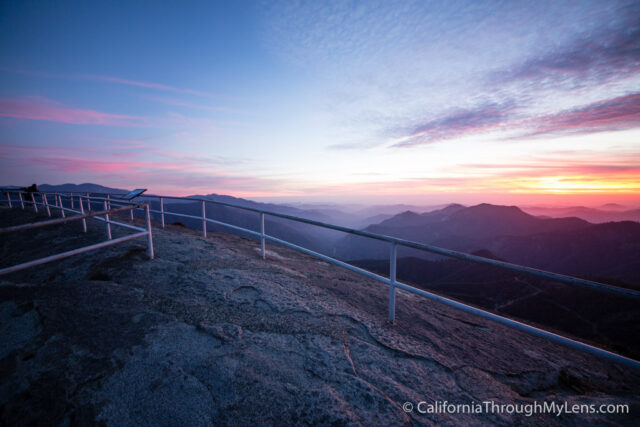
(331,101)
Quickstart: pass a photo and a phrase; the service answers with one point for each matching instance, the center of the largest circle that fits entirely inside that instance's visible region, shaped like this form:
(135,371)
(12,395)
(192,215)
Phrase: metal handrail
(393,283)
(81,216)
(64,220)
(402,242)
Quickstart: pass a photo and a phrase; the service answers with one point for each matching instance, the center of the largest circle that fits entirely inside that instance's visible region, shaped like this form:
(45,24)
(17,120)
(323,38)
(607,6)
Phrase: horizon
(361,103)
(429,203)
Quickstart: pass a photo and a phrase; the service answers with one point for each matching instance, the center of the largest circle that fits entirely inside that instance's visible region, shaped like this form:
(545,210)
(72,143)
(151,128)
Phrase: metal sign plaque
(133,194)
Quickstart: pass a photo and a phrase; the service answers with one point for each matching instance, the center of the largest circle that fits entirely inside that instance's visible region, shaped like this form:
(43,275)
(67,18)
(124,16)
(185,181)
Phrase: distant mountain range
(605,213)
(81,188)
(569,245)
(565,245)
(352,216)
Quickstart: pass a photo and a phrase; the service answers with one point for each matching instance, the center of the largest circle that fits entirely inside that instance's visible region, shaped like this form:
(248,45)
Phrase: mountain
(605,252)
(455,227)
(314,214)
(566,245)
(375,219)
(613,207)
(410,218)
(404,219)
(306,235)
(444,212)
(81,188)
(606,213)
(392,209)
(487,220)
(312,237)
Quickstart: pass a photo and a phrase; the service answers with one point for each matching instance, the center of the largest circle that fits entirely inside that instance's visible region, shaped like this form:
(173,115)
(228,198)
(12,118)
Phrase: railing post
(106,217)
(21,199)
(33,200)
(262,242)
(149,236)
(9,199)
(84,220)
(61,206)
(109,201)
(392,281)
(71,196)
(45,200)
(204,220)
(88,203)
(162,211)
(131,213)
(55,199)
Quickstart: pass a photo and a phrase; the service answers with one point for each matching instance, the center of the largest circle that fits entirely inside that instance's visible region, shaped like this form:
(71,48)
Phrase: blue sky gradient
(337,100)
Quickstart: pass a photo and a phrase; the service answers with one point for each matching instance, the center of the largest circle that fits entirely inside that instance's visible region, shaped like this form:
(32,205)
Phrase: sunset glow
(390,102)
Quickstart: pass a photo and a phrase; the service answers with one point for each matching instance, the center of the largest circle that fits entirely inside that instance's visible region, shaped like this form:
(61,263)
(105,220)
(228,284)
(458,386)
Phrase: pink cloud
(147,167)
(75,165)
(174,175)
(38,108)
(74,159)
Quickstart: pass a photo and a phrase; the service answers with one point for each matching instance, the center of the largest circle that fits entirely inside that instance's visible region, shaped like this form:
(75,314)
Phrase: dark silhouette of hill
(607,251)
(324,215)
(81,188)
(487,220)
(613,206)
(409,218)
(330,215)
(567,245)
(392,209)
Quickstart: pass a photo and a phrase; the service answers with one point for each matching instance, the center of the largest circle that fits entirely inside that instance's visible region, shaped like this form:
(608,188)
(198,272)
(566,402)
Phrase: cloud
(180,103)
(608,115)
(485,117)
(561,172)
(38,108)
(112,151)
(354,145)
(167,171)
(148,85)
(614,114)
(611,53)
(574,62)
(109,79)
(563,166)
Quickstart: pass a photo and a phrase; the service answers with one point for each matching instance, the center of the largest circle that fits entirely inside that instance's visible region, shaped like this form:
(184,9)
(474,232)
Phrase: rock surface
(209,333)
